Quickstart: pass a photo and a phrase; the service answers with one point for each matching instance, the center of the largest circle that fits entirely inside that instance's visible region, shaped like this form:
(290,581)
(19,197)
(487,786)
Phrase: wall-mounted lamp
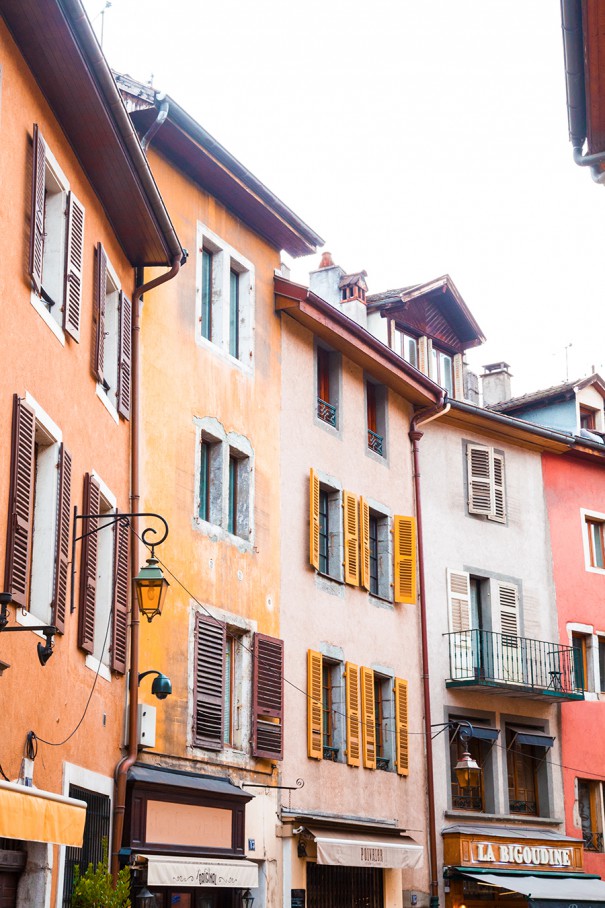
(45,651)
(151,587)
(247,899)
(468,771)
(161,686)
(145,899)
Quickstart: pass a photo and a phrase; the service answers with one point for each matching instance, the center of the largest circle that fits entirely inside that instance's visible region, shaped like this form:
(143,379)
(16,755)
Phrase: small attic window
(588,418)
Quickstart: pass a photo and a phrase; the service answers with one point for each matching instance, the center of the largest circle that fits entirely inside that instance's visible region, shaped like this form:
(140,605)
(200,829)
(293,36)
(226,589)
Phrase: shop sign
(516,853)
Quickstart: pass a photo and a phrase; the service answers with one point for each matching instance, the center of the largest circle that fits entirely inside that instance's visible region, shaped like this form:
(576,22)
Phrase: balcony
(483,660)
(326,411)
(375,442)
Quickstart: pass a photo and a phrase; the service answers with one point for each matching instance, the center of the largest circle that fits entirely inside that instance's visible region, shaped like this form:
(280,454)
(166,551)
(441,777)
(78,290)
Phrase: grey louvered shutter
(267,697)
(88,566)
(98,315)
(62,544)
(499,512)
(209,682)
(125,358)
(480,480)
(20,505)
(36,240)
(119,635)
(74,260)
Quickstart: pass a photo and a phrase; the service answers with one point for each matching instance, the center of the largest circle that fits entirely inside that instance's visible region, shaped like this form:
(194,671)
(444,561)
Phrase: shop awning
(354,849)
(547,892)
(168,871)
(34,815)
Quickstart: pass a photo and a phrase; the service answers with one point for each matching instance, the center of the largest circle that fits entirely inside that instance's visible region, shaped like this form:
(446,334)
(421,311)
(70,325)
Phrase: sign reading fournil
(534,855)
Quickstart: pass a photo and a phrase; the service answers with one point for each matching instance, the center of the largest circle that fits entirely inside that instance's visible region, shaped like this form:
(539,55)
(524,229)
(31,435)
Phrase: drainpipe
(121,770)
(422,418)
(159,120)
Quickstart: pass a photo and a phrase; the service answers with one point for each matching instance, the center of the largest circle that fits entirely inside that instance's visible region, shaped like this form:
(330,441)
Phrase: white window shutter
(508,598)
(480,480)
(459,598)
(499,512)
(458,377)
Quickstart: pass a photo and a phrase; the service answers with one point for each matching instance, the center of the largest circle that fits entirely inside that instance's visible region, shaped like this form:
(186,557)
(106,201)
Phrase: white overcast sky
(418,137)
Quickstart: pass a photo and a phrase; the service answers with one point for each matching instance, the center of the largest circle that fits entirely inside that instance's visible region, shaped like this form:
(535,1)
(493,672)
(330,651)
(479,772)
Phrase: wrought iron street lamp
(151,587)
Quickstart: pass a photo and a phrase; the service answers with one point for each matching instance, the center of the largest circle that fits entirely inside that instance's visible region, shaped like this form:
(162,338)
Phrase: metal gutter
(511,422)
(93,55)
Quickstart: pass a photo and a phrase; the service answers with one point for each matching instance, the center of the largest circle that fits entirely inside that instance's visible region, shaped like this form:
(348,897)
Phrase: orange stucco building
(71,245)
(211,379)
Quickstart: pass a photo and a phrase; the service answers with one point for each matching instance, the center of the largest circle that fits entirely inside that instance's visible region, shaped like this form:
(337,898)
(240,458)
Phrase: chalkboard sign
(297,898)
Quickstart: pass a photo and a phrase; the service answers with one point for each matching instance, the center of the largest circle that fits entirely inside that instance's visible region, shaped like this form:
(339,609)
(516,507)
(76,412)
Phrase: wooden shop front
(516,867)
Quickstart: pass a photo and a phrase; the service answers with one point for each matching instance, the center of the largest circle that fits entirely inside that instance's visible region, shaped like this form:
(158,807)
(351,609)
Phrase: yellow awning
(34,815)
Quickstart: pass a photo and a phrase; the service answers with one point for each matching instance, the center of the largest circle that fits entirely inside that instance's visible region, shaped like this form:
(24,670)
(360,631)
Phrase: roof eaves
(540,436)
(197,132)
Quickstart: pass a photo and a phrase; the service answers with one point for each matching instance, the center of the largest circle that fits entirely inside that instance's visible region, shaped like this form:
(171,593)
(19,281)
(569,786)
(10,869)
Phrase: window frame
(593,840)
(232,341)
(335,531)
(403,343)
(590,519)
(535,759)
(376,395)
(328,377)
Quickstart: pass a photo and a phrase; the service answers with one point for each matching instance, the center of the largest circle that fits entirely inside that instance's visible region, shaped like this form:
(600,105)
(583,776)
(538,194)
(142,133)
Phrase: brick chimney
(496,383)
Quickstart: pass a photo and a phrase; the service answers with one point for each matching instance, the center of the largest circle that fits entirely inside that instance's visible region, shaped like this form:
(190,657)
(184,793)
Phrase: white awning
(168,871)
(549,889)
(354,849)
(35,815)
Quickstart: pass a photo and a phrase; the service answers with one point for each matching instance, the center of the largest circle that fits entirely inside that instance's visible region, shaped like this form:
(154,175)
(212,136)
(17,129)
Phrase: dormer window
(407,347)
(588,418)
(442,370)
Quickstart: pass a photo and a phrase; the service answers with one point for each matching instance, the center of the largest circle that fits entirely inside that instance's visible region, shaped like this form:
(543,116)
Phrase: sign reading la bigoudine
(517,853)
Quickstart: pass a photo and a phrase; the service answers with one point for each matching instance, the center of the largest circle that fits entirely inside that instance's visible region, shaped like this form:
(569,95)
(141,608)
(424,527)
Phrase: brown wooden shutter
(210,639)
(404,548)
(125,360)
(62,562)
(351,538)
(368,717)
(314,705)
(98,313)
(402,750)
(314,520)
(88,566)
(74,262)
(36,242)
(267,697)
(121,598)
(352,705)
(20,503)
(364,542)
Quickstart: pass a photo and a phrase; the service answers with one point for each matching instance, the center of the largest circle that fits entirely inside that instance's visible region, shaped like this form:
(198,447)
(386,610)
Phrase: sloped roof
(443,295)
(547,395)
(205,161)
(59,46)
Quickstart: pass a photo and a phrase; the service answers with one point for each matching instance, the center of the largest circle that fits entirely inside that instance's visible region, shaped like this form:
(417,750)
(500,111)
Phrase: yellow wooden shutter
(368,717)
(351,538)
(404,548)
(314,705)
(352,704)
(364,542)
(402,752)
(314,520)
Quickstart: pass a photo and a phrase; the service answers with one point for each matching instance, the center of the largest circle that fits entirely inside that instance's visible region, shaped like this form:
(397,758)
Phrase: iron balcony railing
(375,442)
(535,668)
(326,411)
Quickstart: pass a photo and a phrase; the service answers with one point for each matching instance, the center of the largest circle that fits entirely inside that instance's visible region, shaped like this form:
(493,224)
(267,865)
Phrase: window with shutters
(583,660)
(326,708)
(485,483)
(327,554)
(376,550)
(104,581)
(38,525)
(112,321)
(384,720)
(480,745)
(225,289)
(56,243)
